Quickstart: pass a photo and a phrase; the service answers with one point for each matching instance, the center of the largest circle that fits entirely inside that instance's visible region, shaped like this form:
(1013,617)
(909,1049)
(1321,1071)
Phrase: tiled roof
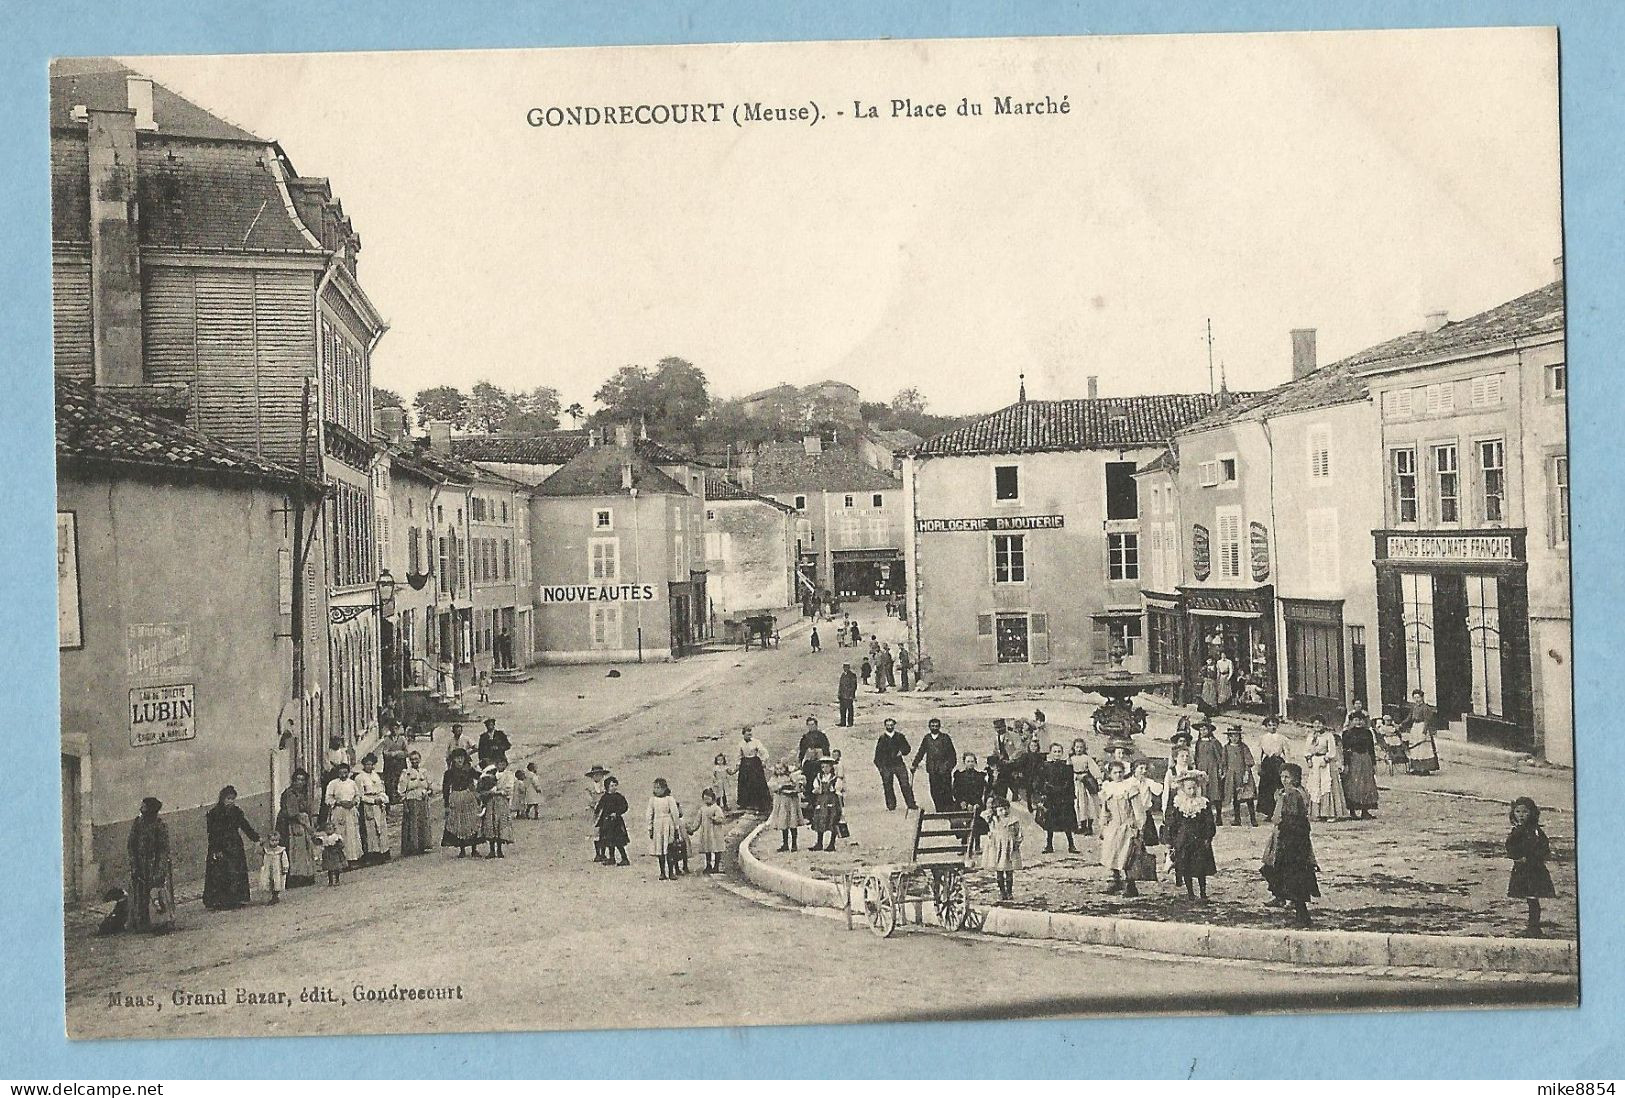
(598,471)
(1344,381)
(1539,312)
(552,448)
(428,464)
(782,467)
(100,82)
(720,487)
(97,429)
(1039,426)
(1164,461)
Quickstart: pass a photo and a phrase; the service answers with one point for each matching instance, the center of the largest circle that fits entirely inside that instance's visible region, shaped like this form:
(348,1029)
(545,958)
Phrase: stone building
(750,551)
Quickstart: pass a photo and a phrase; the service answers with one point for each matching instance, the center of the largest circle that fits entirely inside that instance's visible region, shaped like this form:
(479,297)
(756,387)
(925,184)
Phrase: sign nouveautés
(598,592)
(999,522)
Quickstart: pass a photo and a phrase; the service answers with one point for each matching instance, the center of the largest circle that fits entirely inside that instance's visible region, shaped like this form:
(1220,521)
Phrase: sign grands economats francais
(598,592)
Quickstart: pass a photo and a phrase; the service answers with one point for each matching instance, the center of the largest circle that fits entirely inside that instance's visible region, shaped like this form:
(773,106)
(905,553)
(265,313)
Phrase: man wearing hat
(891,748)
(1236,786)
(846,695)
(937,752)
(1271,756)
(493,745)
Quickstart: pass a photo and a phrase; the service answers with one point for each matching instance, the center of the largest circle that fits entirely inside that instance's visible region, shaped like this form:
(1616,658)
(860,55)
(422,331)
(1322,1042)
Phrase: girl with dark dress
(462,804)
(971,788)
(611,819)
(152,884)
(296,824)
(1360,765)
(1060,799)
(225,874)
(1188,825)
(826,805)
(1529,848)
(1289,856)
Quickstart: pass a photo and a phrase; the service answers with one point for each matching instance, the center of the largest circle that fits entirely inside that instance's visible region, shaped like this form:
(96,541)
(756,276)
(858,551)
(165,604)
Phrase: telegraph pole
(1210,354)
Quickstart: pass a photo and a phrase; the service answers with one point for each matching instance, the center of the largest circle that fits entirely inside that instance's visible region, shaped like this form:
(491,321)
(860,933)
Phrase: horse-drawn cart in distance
(938,854)
(761,629)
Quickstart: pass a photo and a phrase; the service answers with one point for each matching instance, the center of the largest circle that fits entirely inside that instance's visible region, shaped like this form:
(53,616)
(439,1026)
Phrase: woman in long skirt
(296,823)
(152,879)
(1289,857)
(1360,768)
(413,787)
(1123,805)
(1271,757)
(462,804)
(373,811)
(496,807)
(753,792)
(225,874)
(1323,773)
(343,803)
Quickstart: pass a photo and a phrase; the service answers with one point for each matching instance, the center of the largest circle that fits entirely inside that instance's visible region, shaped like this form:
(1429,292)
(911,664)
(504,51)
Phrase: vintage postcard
(804,533)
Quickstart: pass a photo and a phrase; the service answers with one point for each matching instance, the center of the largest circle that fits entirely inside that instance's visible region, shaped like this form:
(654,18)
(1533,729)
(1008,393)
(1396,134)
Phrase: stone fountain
(1119,719)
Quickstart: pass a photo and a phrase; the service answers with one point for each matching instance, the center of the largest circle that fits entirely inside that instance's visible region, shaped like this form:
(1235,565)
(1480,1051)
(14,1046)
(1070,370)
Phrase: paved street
(547,939)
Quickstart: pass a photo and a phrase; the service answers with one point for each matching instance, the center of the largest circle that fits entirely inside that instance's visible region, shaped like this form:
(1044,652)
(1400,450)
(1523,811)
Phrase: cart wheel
(878,908)
(953,900)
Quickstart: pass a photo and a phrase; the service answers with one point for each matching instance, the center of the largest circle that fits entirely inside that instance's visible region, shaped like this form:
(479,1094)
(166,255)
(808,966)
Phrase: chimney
(812,444)
(389,422)
(626,474)
(1435,320)
(1094,387)
(1303,352)
(746,476)
(623,436)
(439,436)
(115,249)
(1557,269)
(138,93)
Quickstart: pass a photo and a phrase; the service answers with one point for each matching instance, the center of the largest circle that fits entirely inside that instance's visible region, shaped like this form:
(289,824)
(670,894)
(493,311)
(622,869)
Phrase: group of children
(819,804)
(669,830)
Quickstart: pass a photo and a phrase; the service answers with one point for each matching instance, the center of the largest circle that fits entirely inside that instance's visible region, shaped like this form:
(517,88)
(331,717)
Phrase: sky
(1348,182)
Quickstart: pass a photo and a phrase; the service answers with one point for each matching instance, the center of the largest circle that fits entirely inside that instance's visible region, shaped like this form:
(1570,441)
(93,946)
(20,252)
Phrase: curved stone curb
(1326,948)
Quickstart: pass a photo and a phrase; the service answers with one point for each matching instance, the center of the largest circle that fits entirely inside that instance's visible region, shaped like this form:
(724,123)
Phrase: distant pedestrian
(1237,787)
(664,822)
(905,664)
(810,752)
(865,669)
(225,873)
(152,878)
(884,675)
(1289,856)
(1529,848)
(1060,800)
(1189,829)
(707,830)
(1208,691)
(1002,854)
(854,635)
(273,867)
(527,792)
(1360,764)
(595,792)
(414,787)
(817,645)
(754,795)
(846,696)
(1271,757)
(825,798)
(786,818)
(1224,674)
(1421,750)
(461,804)
(937,752)
(891,749)
(610,816)
(393,749)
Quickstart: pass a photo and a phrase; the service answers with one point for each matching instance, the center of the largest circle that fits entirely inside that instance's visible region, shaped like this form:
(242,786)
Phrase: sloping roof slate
(100,82)
(598,471)
(786,467)
(553,448)
(93,427)
(1107,423)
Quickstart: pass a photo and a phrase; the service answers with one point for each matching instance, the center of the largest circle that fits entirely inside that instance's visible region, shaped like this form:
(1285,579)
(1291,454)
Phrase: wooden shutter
(1099,642)
(1038,638)
(70,320)
(986,643)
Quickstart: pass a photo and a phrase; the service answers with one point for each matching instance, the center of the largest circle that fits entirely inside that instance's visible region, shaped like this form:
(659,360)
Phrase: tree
(442,402)
(533,412)
(386,398)
(489,407)
(668,400)
(909,401)
(576,413)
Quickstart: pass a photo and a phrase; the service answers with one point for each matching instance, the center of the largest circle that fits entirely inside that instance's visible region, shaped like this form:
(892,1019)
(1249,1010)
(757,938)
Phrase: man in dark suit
(938,754)
(891,748)
(846,694)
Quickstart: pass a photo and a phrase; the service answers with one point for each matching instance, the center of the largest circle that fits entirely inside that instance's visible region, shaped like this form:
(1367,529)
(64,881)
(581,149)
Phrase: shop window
(1006,484)
(1126,632)
(1447,483)
(1404,485)
(1492,467)
(1013,638)
(1122,556)
(1320,453)
(1227,520)
(1009,558)
(1122,494)
(605,558)
(1560,499)
(1484,643)
(1416,591)
(1557,379)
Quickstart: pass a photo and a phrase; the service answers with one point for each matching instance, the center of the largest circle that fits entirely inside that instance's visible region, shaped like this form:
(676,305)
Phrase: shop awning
(849,556)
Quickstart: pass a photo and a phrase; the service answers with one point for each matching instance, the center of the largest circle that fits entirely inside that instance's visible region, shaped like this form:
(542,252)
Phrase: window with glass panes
(1123,556)
(1560,499)
(1492,470)
(1009,558)
(1484,643)
(1447,483)
(1404,485)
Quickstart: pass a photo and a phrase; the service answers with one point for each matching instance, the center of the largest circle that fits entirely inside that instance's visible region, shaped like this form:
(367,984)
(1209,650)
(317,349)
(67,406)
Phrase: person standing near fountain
(1060,800)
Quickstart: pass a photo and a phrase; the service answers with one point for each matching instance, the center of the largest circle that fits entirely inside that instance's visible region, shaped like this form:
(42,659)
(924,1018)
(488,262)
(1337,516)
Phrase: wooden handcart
(881,894)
